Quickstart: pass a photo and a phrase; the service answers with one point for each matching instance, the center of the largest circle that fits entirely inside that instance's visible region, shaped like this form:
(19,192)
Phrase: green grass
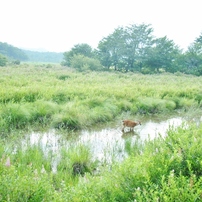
(62,98)
(164,169)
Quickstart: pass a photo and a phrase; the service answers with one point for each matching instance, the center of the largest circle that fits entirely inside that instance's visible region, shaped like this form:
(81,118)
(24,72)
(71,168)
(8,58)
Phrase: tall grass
(60,97)
(164,169)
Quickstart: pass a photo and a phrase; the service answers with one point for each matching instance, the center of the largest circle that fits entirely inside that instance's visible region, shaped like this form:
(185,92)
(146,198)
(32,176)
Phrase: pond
(106,144)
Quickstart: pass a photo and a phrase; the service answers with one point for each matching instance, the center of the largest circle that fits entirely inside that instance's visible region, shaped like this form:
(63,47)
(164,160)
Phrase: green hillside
(14,53)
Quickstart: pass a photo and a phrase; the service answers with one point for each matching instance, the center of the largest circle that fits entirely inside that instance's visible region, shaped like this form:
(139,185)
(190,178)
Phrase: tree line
(134,48)
(9,53)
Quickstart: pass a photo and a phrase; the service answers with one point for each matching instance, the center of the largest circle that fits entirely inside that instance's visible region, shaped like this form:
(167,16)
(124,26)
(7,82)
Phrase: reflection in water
(109,144)
(152,129)
(49,142)
(106,145)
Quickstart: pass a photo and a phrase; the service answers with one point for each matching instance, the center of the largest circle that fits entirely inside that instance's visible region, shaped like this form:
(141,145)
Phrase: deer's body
(130,124)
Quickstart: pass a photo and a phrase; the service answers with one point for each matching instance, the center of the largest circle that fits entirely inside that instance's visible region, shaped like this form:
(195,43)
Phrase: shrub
(16,62)
(76,160)
(63,77)
(83,63)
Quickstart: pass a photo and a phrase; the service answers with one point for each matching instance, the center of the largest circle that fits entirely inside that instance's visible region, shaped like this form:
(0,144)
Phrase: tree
(110,49)
(138,40)
(126,48)
(3,60)
(103,53)
(193,58)
(79,49)
(162,54)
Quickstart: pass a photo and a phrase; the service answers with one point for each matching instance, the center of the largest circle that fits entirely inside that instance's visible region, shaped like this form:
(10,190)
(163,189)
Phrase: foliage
(193,58)
(16,62)
(82,63)
(77,159)
(61,98)
(16,55)
(12,52)
(134,48)
(125,48)
(161,55)
(138,40)
(164,169)
(79,49)
(110,49)
(3,60)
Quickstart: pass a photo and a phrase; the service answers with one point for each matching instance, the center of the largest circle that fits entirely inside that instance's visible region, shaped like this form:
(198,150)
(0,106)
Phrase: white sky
(58,25)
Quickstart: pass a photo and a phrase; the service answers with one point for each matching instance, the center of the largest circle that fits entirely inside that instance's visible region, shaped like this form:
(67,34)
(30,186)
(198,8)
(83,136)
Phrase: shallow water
(106,144)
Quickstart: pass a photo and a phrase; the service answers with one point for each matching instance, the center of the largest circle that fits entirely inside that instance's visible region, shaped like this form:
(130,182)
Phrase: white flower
(8,162)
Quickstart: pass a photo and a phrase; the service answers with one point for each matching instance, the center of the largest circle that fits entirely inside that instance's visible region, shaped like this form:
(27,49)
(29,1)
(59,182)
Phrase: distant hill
(14,53)
(35,56)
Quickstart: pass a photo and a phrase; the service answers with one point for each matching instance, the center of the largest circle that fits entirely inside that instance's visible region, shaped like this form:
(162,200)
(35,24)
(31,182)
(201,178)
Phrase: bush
(16,62)
(83,63)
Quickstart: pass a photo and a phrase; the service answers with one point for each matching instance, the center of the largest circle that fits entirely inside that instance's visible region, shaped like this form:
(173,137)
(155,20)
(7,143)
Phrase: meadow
(62,98)
(40,96)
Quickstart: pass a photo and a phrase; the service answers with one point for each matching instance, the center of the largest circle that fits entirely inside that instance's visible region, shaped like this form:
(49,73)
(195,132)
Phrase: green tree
(138,40)
(126,48)
(79,49)
(110,49)
(162,54)
(103,53)
(193,58)
(3,60)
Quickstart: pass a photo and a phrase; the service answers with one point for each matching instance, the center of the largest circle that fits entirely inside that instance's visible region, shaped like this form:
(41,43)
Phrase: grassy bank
(167,169)
(59,97)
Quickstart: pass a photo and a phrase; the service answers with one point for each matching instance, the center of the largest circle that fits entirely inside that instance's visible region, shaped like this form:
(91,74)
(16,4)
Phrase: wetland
(58,127)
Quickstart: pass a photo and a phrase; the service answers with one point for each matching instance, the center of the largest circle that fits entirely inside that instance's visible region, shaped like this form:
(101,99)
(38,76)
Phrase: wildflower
(172,173)
(43,169)
(157,150)
(8,162)
(36,173)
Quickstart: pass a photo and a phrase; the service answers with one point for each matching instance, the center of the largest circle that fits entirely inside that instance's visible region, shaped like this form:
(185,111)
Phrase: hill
(14,53)
(35,56)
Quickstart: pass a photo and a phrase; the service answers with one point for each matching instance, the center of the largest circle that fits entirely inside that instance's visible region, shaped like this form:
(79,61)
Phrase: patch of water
(106,145)
(49,142)
(109,144)
(151,129)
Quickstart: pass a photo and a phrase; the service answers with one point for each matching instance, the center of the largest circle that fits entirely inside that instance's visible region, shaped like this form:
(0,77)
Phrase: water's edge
(106,144)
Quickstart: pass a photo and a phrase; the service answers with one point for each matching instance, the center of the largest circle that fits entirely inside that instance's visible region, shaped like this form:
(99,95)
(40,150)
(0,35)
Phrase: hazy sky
(57,25)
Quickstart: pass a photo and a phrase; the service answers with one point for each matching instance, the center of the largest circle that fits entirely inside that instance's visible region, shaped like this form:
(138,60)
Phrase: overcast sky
(58,25)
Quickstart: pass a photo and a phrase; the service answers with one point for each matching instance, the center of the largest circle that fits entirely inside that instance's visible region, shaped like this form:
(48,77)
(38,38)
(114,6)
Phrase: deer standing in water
(130,124)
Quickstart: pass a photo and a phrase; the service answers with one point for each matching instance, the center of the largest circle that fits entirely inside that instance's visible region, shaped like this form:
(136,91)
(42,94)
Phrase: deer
(130,124)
